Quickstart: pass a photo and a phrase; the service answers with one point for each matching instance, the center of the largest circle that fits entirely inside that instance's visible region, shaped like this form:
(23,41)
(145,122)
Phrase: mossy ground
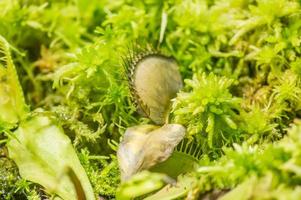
(240,61)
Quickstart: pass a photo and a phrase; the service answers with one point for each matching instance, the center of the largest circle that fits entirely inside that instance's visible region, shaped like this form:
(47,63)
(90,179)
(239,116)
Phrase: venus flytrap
(241,62)
(153,80)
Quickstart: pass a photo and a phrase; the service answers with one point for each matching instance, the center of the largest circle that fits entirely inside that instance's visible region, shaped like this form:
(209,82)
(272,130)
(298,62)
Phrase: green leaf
(180,189)
(141,184)
(45,155)
(12,103)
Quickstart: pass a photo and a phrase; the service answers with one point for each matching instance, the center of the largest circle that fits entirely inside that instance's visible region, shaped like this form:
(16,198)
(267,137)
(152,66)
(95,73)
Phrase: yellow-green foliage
(240,61)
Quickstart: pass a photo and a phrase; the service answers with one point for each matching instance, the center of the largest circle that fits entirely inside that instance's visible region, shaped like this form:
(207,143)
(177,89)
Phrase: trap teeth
(184,159)
(154,79)
(190,148)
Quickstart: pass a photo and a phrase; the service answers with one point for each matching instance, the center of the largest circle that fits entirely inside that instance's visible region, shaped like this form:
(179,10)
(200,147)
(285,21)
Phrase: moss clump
(240,61)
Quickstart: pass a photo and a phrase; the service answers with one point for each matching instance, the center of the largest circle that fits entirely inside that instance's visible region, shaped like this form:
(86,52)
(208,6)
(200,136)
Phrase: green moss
(103,173)
(12,186)
(240,60)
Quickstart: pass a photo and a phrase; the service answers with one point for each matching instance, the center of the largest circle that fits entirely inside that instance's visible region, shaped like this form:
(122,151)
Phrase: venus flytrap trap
(153,80)
(240,62)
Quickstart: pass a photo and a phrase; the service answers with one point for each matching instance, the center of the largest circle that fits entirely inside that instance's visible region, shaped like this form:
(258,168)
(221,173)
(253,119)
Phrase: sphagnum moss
(241,68)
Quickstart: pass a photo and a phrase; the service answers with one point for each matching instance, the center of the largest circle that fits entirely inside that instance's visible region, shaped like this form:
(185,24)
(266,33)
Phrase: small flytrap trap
(154,80)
